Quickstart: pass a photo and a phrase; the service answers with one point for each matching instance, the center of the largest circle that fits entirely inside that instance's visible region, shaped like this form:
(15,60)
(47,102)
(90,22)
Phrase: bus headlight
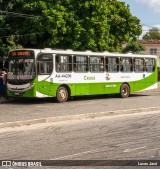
(32,85)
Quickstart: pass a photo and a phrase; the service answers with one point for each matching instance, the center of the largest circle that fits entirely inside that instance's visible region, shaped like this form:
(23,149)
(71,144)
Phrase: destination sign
(21,53)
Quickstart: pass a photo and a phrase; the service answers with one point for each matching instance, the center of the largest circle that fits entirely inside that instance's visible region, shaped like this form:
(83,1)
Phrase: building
(152,48)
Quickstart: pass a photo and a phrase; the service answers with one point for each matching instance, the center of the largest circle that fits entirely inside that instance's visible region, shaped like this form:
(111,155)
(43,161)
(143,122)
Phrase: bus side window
(96,64)
(45,64)
(41,68)
(80,63)
(138,65)
(63,63)
(126,64)
(112,64)
(149,65)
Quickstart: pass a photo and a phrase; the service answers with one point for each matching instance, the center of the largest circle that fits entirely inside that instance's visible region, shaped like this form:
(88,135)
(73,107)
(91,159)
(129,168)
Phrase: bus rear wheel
(62,94)
(125,91)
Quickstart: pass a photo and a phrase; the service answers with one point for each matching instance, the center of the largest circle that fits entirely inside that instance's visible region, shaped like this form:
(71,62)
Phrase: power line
(151,30)
(152,26)
(147,25)
(14,14)
(21,35)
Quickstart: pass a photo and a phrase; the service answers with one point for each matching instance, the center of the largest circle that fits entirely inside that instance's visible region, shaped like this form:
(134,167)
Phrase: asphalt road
(19,110)
(122,137)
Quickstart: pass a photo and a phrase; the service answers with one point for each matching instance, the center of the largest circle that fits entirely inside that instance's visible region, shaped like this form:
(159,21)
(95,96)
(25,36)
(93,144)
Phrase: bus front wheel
(124,91)
(62,94)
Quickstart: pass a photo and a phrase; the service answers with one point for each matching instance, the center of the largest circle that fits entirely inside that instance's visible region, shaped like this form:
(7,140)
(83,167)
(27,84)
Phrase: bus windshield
(21,68)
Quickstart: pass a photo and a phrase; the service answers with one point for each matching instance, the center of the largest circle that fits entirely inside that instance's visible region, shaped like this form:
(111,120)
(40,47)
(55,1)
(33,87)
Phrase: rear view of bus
(21,73)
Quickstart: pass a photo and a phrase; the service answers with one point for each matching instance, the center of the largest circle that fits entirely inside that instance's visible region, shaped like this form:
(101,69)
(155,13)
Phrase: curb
(148,91)
(75,117)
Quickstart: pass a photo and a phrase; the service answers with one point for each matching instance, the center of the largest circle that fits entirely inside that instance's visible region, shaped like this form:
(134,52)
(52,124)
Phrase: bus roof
(87,52)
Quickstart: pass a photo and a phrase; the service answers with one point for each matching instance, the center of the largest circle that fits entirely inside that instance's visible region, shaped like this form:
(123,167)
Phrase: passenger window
(96,64)
(138,64)
(80,63)
(149,64)
(126,65)
(45,64)
(112,64)
(63,63)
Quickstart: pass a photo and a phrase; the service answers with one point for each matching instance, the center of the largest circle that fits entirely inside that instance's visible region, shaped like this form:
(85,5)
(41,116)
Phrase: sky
(148,11)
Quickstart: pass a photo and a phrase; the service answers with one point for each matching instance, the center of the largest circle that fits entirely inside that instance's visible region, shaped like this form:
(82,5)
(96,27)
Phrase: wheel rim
(62,94)
(125,91)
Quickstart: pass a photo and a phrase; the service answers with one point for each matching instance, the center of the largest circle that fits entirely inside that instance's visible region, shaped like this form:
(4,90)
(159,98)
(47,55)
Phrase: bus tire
(124,91)
(62,94)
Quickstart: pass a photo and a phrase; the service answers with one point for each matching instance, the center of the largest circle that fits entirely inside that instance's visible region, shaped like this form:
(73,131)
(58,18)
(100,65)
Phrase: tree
(124,28)
(153,34)
(96,25)
(135,47)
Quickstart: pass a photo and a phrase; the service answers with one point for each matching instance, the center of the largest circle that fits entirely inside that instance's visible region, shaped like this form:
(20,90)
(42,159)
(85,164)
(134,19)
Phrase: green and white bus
(67,73)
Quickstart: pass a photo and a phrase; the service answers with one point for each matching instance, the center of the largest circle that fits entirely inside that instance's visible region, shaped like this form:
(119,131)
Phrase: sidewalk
(12,117)
(75,117)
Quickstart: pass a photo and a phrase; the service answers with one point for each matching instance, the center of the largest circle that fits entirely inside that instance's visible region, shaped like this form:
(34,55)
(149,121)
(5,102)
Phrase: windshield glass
(21,69)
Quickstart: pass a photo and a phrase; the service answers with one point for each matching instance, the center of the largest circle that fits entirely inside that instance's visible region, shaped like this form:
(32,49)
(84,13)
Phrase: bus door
(44,71)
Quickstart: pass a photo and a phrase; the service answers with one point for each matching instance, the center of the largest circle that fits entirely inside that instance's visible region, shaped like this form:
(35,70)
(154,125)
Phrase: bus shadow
(138,95)
(72,99)
(109,96)
(29,101)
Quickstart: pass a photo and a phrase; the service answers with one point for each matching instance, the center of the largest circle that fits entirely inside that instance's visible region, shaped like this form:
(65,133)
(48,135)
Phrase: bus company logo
(6,164)
(89,78)
(107,77)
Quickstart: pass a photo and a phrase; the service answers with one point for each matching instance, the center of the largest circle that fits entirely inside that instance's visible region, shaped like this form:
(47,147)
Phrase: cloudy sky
(148,11)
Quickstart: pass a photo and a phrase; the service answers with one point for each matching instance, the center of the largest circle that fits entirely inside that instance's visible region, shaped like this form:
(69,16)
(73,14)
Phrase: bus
(38,73)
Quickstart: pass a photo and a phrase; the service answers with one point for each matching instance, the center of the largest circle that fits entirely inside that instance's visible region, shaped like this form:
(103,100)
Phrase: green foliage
(97,25)
(153,34)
